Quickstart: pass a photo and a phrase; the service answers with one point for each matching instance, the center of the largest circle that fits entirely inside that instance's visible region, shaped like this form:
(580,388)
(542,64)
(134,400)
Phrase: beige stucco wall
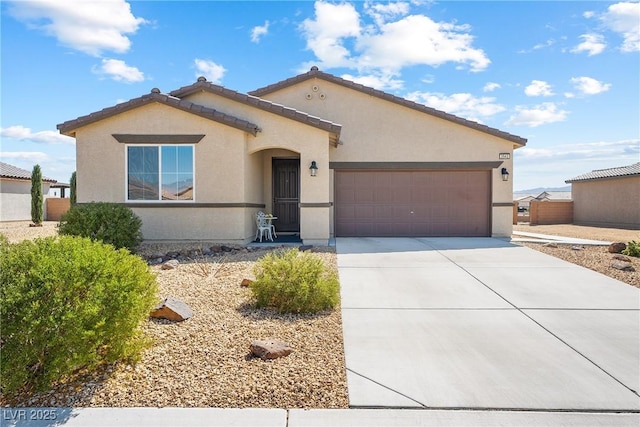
(375,130)
(609,202)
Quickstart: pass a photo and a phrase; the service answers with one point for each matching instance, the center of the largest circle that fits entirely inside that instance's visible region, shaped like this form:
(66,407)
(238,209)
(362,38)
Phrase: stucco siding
(609,202)
(375,130)
(15,199)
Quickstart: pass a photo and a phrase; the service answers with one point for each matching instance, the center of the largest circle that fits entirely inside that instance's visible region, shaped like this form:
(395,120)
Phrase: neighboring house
(15,192)
(554,196)
(607,197)
(326,156)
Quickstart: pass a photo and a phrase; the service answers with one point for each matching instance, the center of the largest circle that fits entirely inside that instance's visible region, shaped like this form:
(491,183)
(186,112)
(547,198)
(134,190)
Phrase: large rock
(621,257)
(617,247)
(171,264)
(270,349)
(172,309)
(246,282)
(621,265)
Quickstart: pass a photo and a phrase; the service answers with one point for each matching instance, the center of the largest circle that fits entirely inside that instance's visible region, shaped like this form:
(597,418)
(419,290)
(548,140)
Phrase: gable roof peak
(316,73)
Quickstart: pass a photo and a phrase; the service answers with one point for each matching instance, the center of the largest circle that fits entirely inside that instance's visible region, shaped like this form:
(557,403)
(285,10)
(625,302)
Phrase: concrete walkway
(483,324)
(525,236)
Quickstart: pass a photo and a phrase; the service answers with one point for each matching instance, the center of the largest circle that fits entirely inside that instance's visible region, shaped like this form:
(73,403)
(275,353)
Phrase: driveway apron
(480,323)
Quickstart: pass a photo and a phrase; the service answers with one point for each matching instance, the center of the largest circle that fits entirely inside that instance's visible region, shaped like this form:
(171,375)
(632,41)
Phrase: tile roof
(14,172)
(263,104)
(68,127)
(623,171)
(315,73)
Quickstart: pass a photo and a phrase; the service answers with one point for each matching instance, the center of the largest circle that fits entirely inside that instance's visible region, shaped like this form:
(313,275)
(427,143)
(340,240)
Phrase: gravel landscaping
(596,258)
(205,360)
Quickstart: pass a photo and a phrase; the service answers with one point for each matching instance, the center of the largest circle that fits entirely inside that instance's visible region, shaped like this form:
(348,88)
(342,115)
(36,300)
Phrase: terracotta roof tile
(631,170)
(263,104)
(68,127)
(315,73)
(14,172)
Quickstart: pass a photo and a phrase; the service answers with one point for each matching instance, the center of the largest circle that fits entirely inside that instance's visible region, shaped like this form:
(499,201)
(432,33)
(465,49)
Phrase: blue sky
(564,75)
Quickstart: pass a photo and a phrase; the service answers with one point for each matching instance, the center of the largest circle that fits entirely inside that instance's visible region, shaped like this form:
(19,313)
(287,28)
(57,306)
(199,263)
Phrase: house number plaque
(504,155)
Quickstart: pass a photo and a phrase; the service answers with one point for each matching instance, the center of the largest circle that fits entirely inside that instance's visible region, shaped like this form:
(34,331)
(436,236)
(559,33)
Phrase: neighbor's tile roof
(68,127)
(618,172)
(14,172)
(315,73)
(263,104)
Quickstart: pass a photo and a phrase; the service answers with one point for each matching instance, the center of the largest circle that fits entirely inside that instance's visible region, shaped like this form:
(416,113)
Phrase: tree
(72,185)
(37,208)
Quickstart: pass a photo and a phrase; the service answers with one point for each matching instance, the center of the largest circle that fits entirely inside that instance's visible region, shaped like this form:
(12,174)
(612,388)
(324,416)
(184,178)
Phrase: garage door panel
(413,203)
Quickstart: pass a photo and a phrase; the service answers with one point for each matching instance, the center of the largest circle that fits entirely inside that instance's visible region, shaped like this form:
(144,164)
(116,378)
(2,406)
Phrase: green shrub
(294,282)
(633,249)
(69,303)
(108,222)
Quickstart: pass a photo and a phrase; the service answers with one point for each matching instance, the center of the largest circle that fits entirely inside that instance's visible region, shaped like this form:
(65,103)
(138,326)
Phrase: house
(607,197)
(15,192)
(326,156)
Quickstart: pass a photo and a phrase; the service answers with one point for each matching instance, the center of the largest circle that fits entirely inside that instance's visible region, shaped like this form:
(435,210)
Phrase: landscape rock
(172,309)
(617,247)
(305,248)
(550,245)
(246,282)
(620,257)
(171,264)
(576,248)
(226,248)
(623,266)
(270,349)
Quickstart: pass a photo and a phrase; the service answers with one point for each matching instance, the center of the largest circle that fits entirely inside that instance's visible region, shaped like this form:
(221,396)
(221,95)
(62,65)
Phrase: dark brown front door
(286,194)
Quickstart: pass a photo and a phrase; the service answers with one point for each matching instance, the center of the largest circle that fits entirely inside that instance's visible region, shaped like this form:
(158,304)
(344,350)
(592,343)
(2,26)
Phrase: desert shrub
(108,222)
(69,303)
(294,282)
(633,249)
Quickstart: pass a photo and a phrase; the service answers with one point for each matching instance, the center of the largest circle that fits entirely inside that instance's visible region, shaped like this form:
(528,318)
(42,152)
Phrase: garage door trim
(415,165)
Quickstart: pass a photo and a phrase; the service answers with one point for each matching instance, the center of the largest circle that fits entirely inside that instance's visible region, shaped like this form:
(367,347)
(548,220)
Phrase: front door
(286,194)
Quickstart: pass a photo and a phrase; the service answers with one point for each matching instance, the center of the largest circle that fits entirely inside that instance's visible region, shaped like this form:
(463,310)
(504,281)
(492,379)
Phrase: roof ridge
(167,99)
(315,72)
(615,172)
(10,171)
(256,101)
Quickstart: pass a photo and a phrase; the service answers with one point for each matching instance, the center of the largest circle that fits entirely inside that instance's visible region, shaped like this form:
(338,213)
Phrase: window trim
(160,199)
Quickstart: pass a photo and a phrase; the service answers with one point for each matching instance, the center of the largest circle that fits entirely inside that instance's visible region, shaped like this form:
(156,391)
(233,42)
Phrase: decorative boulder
(172,309)
(171,264)
(550,245)
(617,247)
(270,349)
(246,282)
(620,257)
(623,266)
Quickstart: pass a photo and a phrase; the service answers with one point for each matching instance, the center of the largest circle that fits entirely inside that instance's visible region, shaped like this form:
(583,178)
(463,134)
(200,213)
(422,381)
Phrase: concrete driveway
(480,323)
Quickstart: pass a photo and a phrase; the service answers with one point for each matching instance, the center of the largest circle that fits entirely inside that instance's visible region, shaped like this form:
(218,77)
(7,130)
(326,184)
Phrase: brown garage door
(412,203)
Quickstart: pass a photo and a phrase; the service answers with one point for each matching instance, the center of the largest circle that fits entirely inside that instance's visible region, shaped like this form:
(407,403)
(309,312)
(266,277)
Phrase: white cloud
(624,18)
(538,115)
(119,71)
(212,71)
(34,156)
(418,40)
(382,12)
(325,35)
(381,81)
(91,27)
(491,86)
(538,88)
(259,31)
(592,43)
(337,38)
(460,104)
(21,133)
(589,14)
(590,86)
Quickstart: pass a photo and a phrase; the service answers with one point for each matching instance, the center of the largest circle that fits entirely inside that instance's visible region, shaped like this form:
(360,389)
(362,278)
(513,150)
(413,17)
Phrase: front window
(160,172)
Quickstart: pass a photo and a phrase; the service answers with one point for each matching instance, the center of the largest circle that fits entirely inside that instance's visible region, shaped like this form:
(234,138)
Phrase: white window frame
(159,147)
